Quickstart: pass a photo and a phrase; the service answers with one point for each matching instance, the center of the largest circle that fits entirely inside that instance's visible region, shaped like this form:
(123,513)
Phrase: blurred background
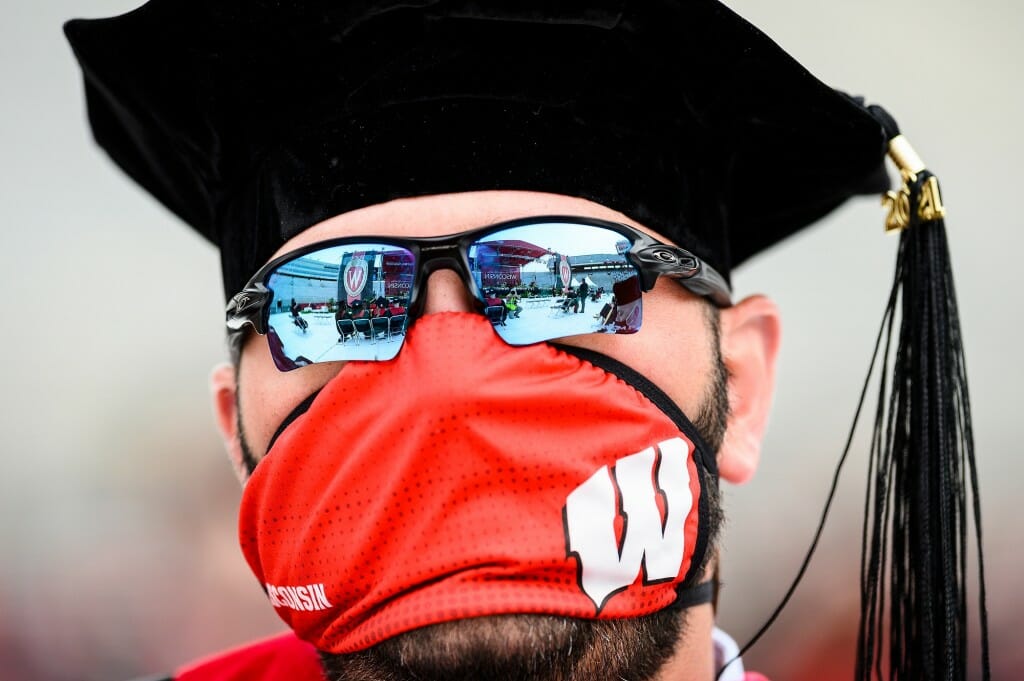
(118,554)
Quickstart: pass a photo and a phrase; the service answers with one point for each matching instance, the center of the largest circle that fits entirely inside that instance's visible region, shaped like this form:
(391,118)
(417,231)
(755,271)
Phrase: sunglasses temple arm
(710,284)
(246,307)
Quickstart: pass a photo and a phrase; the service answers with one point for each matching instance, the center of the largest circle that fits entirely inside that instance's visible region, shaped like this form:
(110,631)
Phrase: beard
(532,647)
(517,648)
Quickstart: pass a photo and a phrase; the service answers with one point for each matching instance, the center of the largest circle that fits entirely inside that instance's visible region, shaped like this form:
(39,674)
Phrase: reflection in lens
(544,281)
(341,303)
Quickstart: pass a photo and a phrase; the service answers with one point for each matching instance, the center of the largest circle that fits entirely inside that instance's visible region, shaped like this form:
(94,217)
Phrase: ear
(750,335)
(224,391)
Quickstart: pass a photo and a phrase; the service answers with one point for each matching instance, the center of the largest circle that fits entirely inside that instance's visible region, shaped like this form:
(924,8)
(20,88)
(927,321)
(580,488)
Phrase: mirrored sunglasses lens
(340,303)
(551,280)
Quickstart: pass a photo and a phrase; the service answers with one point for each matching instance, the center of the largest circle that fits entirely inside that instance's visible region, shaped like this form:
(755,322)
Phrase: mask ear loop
(699,594)
(295,413)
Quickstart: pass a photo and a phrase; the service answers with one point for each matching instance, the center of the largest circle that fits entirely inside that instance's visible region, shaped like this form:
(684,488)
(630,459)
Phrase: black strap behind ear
(295,413)
(695,595)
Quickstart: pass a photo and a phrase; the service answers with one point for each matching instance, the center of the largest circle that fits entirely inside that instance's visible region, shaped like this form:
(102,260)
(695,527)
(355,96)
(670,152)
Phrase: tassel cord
(878,478)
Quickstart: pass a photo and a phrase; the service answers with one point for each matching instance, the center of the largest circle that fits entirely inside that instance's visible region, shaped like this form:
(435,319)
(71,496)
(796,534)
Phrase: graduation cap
(253,120)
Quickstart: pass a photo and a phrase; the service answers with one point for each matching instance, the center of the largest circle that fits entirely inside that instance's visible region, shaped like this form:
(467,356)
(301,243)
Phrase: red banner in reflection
(398,273)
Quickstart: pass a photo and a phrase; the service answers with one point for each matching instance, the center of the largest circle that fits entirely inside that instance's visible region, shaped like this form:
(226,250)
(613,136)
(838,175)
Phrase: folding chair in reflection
(496,314)
(380,326)
(397,325)
(363,328)
(346,330)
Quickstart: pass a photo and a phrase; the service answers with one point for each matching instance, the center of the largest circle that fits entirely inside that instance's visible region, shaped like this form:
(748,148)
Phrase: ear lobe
(750,333)
(224,392)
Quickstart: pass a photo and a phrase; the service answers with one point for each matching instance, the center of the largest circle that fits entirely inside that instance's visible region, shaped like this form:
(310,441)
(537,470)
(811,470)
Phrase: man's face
(680,348)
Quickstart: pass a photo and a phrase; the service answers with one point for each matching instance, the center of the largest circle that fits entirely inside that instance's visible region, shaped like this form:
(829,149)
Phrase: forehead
(440,214)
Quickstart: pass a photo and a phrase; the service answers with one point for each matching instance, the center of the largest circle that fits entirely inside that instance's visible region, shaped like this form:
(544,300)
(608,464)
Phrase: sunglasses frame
(650,257)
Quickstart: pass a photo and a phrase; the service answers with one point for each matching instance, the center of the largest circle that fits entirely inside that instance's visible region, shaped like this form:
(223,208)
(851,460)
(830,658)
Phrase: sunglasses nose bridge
(453,292)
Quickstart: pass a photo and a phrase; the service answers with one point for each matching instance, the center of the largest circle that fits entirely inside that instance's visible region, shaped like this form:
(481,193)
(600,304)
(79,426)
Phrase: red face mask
(466,478)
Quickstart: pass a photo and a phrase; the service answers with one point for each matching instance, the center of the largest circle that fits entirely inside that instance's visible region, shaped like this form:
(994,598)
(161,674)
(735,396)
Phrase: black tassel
(921,471)
(922,467)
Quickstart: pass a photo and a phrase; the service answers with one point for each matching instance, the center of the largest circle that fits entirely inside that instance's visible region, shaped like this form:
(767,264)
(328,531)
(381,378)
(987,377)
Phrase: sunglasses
(536,279)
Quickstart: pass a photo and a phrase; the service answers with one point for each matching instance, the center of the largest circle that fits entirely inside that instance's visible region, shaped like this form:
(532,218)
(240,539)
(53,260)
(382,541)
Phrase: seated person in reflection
(343,312)
(361,311)
(607,313)
(570,301)
(396,306)
(382,307)
(296,319)
(492,300)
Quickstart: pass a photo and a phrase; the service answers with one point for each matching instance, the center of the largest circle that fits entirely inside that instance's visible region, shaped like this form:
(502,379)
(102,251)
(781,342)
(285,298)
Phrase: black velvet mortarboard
(255,119)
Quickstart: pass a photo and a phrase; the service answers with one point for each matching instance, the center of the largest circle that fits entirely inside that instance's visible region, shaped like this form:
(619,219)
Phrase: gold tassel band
(897,203)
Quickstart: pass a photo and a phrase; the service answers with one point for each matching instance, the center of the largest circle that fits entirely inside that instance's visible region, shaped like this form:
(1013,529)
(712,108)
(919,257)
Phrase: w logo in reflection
(650,537)
(355,276)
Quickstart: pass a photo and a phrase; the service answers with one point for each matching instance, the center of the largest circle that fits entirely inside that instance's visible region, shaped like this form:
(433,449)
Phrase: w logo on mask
(651,535)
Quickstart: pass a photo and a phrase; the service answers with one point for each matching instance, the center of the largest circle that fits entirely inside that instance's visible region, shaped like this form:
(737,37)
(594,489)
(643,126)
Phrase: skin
(674,327)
